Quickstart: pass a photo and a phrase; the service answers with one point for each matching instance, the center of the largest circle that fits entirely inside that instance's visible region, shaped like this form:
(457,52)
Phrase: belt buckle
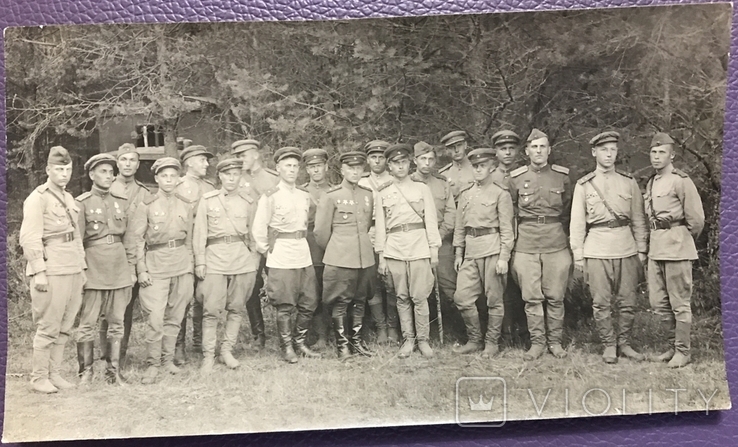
(110,239)
(404,227)
(227,239)
(541,219)
(170,243)
(68,237)
(612,224)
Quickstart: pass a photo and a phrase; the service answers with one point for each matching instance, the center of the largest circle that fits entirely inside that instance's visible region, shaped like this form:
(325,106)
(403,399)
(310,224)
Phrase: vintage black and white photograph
(276,226)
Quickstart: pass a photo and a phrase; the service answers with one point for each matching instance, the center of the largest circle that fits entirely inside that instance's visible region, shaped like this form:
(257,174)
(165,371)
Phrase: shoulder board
(439,176)
(208,181)
(362,187)
(501,185)
(560,169)
(117,195)
(84,196)
(302,188)
(519,171)
(183,198)
(445,168)
(366,174)
(142,185)
(334,188)
(245,196)
(180,181)
(468,188)
(416,179)
(586,178)
(42,188)
(384,186)
(271,171)
(271,191)
(624,173)
(210,194)
(304,185)
(148,200)
(680,173)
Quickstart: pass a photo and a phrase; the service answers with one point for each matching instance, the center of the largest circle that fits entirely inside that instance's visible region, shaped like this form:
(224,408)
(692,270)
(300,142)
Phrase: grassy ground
(265,394)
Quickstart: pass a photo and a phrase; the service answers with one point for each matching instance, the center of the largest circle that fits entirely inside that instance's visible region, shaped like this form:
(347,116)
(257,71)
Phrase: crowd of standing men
(496,242)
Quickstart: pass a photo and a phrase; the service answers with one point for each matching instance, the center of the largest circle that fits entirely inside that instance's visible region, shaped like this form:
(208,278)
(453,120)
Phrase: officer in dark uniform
(342,228)
(111,274)
(459,172)
(316,165)
(541,259)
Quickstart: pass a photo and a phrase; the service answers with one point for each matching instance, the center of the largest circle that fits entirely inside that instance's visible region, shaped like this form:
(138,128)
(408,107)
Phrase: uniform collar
(486,181)
(503,169)
(53,188)
(322,185)
(419,176)
(463,164)
(126,180)
(599,170)
(667,170)
(285,186)
(165,194)
(192,176)
(99,192)
(544,168)
(403,181)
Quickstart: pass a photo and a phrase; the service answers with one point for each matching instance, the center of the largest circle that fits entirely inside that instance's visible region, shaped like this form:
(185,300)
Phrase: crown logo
(481,405)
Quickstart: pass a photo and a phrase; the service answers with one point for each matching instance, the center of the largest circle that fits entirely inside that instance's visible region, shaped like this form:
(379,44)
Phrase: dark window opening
(149,135)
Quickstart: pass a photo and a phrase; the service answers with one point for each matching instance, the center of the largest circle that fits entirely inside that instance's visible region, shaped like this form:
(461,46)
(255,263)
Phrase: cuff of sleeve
(505,256)
(141,267)
(199,259)
(37,265)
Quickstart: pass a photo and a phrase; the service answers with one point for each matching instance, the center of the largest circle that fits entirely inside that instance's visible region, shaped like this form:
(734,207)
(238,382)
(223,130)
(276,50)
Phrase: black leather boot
(112,373)
(85,358)
(302,325)
(284,329)
(357,344)
(342,341)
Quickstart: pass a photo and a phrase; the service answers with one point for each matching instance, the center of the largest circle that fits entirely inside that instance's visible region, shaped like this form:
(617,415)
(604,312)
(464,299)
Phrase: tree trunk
(169,128)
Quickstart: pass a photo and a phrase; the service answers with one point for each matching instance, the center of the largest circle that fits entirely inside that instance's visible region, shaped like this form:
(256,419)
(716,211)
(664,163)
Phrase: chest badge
(345,216)
(98,211)
(116,204)
(96,226)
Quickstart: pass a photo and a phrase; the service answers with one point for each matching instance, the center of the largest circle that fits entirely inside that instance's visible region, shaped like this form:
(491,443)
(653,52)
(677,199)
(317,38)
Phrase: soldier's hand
(579,265)
(457,263)
(644,259)
(134,278)
(201,271)
(382,267)
(144,279)
(434,258)
(84,277)
(40,282)
(501,267)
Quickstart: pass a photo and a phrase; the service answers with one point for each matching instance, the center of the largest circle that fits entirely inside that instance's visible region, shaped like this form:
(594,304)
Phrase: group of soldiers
(496,242)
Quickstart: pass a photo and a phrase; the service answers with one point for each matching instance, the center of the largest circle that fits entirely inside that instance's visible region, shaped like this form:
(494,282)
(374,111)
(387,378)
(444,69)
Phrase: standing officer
(256,179)
(674,208)
(56,263)
(459,172)
(280,231)
(111,272)
(316,165)
(425,161)
(126,185)
(483,239)
(383,305)
(609,241)
(407,242)
(541,260)
(342,230)
(161,231)
(514,324)
(192,186)
(225,261)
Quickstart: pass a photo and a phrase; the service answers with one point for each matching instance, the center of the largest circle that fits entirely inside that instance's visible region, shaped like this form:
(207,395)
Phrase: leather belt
(666,224)
(540,219)
(230,239)
(611,224)
(301,234)
(172,243)
(64,237)
(476,232)
(406,227)
(107,240)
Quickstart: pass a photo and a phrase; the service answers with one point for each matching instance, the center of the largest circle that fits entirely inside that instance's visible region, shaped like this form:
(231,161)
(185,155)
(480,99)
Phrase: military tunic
(259,180)
(459,175)
(192,188)
(501,176)
(316,191)
(133,190)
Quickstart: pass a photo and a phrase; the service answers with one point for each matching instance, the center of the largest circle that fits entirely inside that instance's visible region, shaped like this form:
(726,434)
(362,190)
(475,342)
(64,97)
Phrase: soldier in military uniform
(111,272)
(161,231)
(483,242)
(407,241)
(676,218)
(56,264)
(255,178)
(342,230)
(280,231)
(459,172)
(609,241)
(425,161)
(316,165)
(126,185)
(192,186)
(225,261)
(383,305)
(541,259)
(514,325)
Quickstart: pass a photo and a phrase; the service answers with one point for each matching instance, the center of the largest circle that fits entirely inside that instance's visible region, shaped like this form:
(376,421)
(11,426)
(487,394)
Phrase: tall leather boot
(393,324)
(103,333)
(422,331)
(153,360)
(405,314)
(112,373)
(555,323)
(668,325)
(179,350)
(320,325)
(230,335)
(85,359)
(209,340)
(168,346)
(342,341)
(56,357)
(302,325)
(681,345)
(40,375)
(197,315)
(284,329)
(256,319)
(537,328)
(357,344)
(473,332)
(380,321)
(492,337)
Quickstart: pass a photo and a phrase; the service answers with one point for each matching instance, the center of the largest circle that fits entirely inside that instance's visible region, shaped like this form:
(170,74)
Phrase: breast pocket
(283,214)
(624,200)
(157,220)
(56,218)
(343,217)
(526,198)
(388,204)
(418,205)
(555,197)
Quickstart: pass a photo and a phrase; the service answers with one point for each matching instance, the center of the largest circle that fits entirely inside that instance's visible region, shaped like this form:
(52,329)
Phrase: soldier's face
(230,178)
(352,173)
(458,151)
(482,170)
(316,171)
(249,157)
(662,156)
(605,155)
(288,169)
(506,154)
(377,162)
(426,163)
(128,164)
(59,174)
(167,179)
(538,151)
(198,165)
(399,168)
(102,176)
